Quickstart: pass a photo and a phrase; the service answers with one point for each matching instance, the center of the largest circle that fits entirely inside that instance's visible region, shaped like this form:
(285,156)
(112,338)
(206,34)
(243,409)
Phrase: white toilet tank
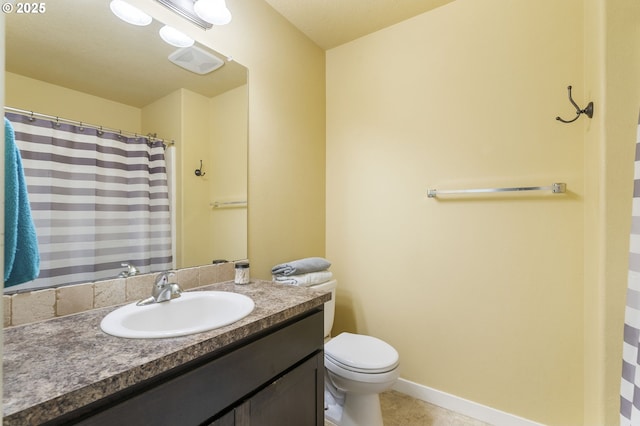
(330,306)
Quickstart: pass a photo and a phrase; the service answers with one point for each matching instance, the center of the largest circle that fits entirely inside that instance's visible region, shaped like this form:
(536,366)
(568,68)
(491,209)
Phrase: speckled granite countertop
(56,366)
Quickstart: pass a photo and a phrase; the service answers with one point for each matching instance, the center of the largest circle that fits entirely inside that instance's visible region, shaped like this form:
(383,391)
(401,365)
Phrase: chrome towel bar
(227,204)
(556,188)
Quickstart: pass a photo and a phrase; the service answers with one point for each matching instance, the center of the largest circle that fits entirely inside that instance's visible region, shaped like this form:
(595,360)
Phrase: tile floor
(401,410)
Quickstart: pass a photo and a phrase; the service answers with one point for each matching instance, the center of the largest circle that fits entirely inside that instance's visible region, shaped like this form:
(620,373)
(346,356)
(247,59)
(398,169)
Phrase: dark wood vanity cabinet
(293,390)
(275,378)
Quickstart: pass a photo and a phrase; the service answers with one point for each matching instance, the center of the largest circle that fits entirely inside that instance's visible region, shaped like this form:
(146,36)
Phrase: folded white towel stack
(303,272)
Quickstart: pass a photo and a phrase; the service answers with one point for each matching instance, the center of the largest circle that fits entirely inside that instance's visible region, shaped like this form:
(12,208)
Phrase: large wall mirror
(80,62)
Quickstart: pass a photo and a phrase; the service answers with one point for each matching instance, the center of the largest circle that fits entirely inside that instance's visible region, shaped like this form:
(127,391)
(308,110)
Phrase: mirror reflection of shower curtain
(630,383)
(98,199)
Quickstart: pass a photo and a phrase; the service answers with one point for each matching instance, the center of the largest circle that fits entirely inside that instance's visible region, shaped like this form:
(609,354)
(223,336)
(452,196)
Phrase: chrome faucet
(162,290)
(131,270)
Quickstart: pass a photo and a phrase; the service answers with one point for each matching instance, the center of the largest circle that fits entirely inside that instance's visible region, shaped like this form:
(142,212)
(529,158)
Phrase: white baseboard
(461,405)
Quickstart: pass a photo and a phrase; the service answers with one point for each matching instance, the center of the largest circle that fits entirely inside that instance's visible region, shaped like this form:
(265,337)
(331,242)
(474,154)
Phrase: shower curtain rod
(149,136)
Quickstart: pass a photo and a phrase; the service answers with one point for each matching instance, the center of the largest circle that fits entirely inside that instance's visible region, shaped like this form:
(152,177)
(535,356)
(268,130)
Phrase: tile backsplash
(39,305)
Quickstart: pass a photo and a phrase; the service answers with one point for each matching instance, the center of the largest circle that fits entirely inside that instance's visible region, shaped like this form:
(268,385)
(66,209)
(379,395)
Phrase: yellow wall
(594,360)
(34,95)
(212,130)
(164,117)
(612,76)
(227,173)
(286,128)
(194,203)
(487,79)
(512,302)
(482,296)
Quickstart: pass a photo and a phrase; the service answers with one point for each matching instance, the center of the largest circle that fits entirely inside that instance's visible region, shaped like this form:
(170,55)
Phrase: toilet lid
(357,352)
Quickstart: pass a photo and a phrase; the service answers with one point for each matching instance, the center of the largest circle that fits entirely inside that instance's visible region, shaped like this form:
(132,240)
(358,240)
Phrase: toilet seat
(361,354)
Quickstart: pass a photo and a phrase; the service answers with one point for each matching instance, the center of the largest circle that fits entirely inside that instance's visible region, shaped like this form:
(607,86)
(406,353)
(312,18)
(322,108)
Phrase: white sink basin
(191,313)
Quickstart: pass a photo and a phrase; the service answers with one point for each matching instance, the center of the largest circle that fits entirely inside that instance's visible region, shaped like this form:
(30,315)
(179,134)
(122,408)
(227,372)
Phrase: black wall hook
(588,111)
(199,171)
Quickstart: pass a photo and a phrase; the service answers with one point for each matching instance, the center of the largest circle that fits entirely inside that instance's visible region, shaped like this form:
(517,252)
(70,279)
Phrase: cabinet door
(226,420)
(297,398)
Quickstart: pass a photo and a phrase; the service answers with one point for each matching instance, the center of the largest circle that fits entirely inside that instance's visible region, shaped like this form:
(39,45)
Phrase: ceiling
(104,56)
(330,23)
(114,60)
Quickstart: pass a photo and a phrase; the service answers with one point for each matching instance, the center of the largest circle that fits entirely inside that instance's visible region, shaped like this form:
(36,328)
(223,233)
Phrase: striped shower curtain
(98,199)
(630,387)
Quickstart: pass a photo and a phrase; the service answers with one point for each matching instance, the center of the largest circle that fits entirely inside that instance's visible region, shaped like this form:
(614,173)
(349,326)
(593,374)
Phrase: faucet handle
(162,279)
(164,290)
(162,283)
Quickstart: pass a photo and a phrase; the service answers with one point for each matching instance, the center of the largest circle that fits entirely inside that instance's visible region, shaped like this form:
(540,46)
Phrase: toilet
(357,369)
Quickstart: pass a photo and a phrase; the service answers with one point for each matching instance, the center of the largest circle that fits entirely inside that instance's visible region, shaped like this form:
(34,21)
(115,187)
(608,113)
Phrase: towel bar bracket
(559,188)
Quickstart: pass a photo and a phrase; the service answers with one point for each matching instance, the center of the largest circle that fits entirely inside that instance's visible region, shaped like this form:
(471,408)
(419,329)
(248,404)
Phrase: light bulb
(174,37)
(130,14)
(213,11)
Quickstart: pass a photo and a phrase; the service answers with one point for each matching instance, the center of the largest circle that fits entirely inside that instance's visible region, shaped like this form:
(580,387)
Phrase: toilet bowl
(357,369)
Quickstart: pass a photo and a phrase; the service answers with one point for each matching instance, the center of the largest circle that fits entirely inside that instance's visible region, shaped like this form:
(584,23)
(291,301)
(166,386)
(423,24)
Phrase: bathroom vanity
(266,369)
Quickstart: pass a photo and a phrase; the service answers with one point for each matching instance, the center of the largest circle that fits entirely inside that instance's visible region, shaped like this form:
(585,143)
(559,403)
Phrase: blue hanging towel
(21,255)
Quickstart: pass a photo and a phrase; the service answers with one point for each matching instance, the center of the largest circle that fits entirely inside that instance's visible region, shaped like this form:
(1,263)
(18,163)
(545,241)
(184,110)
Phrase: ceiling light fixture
(174,37)
(130,14)
(213,11)
(184,8)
